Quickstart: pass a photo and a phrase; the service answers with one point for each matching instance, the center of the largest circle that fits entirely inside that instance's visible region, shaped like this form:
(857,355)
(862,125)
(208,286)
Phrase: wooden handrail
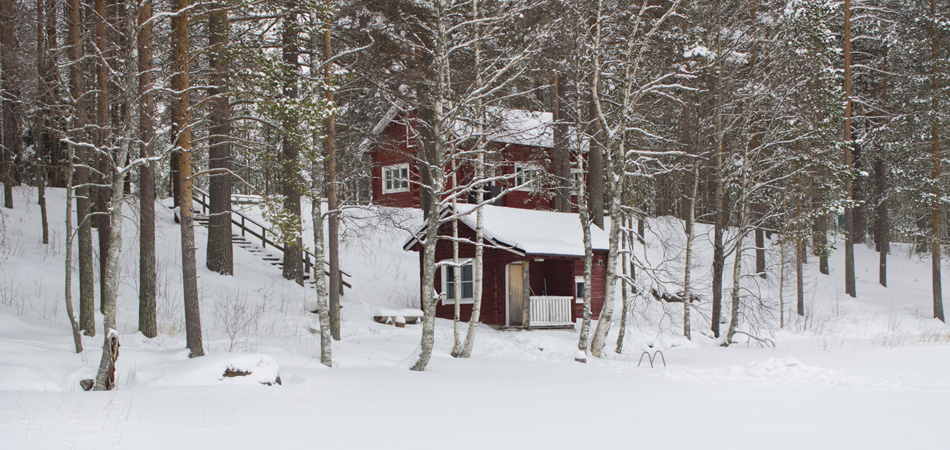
(201,197)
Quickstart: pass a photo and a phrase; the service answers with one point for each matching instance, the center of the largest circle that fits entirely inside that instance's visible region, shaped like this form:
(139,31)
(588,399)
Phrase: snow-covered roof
(529,232)
(518,126)
(503,125)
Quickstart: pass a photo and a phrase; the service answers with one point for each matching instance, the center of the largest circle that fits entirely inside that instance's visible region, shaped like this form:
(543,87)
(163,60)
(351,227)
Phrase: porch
(550,311)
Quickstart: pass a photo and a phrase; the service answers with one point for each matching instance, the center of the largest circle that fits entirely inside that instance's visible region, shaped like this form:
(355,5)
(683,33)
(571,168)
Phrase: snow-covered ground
(867,373)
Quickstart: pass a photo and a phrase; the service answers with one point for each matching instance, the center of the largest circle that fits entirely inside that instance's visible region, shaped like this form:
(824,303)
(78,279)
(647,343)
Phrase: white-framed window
(577,177)
(467,280)
(525,176)
(396,178)
(578,289)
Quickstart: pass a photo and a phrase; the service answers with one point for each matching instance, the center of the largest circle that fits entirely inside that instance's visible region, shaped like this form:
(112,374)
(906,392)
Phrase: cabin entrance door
(515,294)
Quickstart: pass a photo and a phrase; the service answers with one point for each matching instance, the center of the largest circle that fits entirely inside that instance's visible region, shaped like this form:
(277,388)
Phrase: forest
(793,121)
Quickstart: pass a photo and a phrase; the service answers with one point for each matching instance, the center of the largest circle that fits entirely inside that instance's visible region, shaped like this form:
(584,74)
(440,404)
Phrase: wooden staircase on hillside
(254,237)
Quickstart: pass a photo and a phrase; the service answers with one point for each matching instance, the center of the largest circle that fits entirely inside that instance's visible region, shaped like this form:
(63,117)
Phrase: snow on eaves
(502,125)
(527,231)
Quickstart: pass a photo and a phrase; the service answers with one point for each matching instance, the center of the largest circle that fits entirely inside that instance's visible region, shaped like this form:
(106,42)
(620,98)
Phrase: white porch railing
(550,310)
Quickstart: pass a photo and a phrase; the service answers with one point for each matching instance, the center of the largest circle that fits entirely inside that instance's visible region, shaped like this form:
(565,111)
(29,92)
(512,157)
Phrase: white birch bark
(690,234)
(68,291)
(435,163)
(456,269)
(317,216)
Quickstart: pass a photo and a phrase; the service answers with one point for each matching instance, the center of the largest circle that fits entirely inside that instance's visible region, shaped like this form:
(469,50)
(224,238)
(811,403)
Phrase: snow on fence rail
(550,310)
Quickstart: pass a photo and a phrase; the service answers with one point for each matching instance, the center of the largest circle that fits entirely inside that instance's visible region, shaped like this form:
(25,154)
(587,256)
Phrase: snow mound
(785,369)
(22,378)
(210,370)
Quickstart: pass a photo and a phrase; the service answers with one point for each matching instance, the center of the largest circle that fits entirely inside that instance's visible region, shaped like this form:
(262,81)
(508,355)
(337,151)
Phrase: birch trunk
(737,265)
(456,270)
(316,201)
(323,312)
(690,234)
(479,192)
(68,290)
(105,380)
(626,255)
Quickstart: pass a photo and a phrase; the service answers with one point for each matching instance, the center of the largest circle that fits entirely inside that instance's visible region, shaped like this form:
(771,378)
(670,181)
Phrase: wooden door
(515,294)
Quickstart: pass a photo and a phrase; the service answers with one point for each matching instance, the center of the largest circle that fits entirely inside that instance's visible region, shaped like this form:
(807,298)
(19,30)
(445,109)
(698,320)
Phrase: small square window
(526,176)
(396,178)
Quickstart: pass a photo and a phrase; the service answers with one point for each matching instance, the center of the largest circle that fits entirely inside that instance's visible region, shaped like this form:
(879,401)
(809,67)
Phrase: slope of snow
(865,373)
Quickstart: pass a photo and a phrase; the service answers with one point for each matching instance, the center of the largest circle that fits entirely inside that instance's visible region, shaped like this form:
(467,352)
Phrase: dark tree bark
(858,189)
(87,289)
(883,241)
(560,153)
(103,192)
(935,129)
(849,282)
(220,257)
(333,220)
(820,242)
(181,55)
(148,324)
(43,138)
(290,151)
(799,276)
(9,94)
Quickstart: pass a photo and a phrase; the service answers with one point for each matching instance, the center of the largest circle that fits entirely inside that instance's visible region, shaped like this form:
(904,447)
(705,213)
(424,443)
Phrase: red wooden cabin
(522,142)
(538,253)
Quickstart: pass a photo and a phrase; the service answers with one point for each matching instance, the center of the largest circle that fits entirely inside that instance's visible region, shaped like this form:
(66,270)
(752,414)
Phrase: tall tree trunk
(181,84)
(9,96)
(760,252)
(859,214)
(849,282)
(106,377)
(318,43)
(43,138)
(87,289)
(333,204)
(560,153)
(68,270)
(799,276)
(820,242)
(477,275)
(690,234)
(290,151)
(220,257)
(583,204)
(103,151)
(937,215)
(881,169)
(595,175)
(148,322)
(626,261)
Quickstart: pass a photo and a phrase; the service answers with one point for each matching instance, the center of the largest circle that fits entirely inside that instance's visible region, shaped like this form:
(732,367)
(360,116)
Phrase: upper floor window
(396,178)
(525,176)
